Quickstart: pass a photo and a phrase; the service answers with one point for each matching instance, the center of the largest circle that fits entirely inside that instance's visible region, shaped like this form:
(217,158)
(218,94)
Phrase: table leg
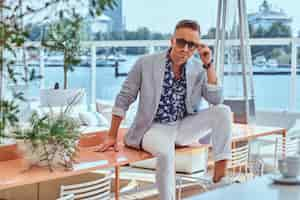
(117,182)
(234,145)
(38,191)
(284,143)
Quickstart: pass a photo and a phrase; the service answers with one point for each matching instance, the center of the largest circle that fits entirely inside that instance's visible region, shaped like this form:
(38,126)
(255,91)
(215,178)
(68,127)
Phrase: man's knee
(165,152)
(222,111)
(165,158)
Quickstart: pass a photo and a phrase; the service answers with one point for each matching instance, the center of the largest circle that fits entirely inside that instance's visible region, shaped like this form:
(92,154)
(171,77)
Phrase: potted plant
(12,36)
(51,138)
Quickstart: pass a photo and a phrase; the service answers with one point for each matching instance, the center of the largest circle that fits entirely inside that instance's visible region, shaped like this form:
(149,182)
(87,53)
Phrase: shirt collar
(169,63)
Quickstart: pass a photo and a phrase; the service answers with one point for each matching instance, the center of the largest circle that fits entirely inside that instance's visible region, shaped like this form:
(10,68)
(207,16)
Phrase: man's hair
(187,23)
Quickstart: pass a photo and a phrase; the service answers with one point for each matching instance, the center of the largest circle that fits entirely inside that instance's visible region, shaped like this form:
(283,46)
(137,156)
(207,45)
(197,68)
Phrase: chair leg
(180,188)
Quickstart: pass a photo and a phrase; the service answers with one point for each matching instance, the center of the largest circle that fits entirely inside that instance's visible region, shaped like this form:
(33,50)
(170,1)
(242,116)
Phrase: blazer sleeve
(129,90)
(213,94)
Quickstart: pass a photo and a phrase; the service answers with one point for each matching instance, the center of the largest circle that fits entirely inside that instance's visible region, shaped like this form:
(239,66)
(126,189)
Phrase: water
(271,91)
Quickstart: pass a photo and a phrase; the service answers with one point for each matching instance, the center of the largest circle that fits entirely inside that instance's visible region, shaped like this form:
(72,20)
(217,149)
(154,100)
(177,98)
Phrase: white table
(259,188)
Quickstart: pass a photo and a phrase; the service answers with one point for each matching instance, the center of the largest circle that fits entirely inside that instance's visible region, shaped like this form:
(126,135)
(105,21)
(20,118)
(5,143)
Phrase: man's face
(183,43)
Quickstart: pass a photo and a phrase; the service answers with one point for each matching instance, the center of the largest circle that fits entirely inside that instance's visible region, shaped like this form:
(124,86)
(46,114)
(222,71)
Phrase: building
(267,15)
(101,23)
(116,15)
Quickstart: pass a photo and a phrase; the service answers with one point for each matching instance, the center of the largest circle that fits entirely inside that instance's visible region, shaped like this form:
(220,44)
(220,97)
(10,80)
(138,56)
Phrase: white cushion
(61,97)
(73,111)
(294,131)
(92,119)
(186,162)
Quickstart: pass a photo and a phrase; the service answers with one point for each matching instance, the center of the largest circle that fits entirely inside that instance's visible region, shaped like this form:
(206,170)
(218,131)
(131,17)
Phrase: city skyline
(138,13)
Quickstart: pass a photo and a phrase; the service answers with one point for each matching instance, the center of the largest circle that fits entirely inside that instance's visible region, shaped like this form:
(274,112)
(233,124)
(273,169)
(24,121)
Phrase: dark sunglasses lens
(191,45)
(180,42)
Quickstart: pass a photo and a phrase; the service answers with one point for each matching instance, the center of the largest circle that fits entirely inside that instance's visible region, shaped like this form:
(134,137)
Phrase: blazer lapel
(189,79)
(158,74)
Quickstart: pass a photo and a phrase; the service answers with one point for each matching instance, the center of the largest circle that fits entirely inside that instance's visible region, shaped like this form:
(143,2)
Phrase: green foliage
(8,115)
(13,34)
(56,134)
(211,34)
(64,37)
(57,129)
(142,33)
(279,30)
(276,30)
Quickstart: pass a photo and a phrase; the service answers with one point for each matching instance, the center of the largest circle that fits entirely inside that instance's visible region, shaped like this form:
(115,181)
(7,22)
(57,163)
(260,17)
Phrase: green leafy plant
(51,139)
(13,36)
(64,37)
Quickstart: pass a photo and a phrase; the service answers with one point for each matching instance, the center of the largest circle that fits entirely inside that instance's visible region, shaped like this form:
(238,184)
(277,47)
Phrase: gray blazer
(145,79)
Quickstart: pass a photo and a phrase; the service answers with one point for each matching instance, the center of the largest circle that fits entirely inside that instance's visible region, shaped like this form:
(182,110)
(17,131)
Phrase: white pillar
(93,75)
(42,68)
(293,86)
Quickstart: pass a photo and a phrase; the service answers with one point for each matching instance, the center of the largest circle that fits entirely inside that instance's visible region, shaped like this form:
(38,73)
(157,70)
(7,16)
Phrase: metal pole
(217,41)
(248,54)
(222,48)
(243,57)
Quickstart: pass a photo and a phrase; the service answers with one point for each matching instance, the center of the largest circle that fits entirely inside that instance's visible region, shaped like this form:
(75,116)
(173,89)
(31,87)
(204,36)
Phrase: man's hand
(109,142)
(206,57)
(204,53)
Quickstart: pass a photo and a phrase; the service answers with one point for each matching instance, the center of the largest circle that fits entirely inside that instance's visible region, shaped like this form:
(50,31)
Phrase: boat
(116,57)
(272,63)
(260,61)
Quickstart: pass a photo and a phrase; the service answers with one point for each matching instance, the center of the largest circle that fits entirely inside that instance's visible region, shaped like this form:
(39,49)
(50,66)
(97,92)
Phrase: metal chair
(239,166)
(93,190)
(284,147)
(68,197)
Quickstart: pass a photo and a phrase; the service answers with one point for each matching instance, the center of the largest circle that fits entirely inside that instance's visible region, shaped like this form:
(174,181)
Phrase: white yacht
(272,63)
(260,61)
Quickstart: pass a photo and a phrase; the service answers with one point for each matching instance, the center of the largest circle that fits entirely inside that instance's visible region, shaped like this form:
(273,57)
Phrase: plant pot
(8,150)
(50,155)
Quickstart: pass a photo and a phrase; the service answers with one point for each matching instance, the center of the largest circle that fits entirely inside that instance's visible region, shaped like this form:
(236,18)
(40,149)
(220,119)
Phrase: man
(171,86)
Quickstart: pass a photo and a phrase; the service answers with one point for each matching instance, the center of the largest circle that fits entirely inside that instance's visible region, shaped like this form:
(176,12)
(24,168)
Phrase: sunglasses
(181,43)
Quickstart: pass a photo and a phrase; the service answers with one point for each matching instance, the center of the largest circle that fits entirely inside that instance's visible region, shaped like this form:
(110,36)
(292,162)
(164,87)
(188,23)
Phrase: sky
(162,15)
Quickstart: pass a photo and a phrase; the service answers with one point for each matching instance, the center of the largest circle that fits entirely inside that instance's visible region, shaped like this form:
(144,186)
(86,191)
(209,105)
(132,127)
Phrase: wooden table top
(242,132)
(14,173)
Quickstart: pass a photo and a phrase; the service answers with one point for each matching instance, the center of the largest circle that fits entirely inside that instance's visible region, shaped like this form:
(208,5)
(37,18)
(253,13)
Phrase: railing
(93,45)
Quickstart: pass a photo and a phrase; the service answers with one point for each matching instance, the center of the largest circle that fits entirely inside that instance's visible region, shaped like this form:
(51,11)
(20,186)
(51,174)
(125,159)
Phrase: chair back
(238,165)
(92,190)
(68,197)
(286,146)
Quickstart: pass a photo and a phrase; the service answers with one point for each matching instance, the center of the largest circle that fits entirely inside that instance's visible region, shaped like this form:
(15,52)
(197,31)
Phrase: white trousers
(160,141)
